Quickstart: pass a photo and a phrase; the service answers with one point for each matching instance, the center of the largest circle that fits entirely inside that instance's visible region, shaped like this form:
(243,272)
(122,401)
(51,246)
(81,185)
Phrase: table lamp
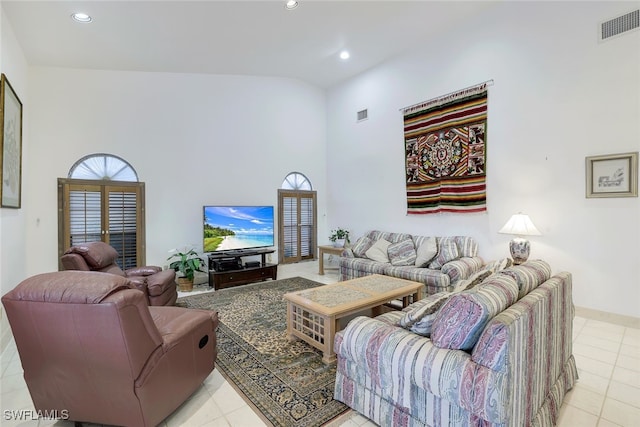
(519,225)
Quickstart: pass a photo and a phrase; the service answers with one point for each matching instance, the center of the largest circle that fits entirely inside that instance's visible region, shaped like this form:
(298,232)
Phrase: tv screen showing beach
(237,227)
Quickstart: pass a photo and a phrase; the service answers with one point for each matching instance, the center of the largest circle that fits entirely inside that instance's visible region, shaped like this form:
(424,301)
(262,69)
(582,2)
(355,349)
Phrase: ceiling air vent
(617,26)
(363,115)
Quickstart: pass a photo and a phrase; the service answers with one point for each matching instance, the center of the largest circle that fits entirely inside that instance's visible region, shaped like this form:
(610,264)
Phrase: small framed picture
(613,175)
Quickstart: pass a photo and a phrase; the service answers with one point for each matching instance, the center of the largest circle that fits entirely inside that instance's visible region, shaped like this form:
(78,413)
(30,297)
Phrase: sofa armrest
(188,338)
(347,253)
(159,282)
(176,324)
(531,341)
(143,271)
(462,268)
(395,360)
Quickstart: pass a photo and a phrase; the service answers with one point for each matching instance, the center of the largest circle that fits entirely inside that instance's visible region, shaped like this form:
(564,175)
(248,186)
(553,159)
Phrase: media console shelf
(227,270)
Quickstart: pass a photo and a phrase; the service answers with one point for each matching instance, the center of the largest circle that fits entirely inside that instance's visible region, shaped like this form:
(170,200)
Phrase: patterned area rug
(286,381)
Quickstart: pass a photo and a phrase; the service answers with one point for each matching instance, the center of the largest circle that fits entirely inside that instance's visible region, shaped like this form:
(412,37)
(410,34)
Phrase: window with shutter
(102,200)
(297,218)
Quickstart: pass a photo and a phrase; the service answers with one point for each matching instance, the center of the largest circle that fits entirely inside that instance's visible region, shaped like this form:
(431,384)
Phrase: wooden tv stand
(226,269)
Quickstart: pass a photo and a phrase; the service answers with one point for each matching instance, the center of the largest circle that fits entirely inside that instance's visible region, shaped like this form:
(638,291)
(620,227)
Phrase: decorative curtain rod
(448,97)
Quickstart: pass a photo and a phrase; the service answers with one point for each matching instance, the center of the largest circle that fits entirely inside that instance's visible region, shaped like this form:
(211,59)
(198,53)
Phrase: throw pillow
(459,323)
(420,318)
(473,280)
(426,251)
(402,253)
(447,251)
(378,251)
(498,265)
(361,246)
(466,246)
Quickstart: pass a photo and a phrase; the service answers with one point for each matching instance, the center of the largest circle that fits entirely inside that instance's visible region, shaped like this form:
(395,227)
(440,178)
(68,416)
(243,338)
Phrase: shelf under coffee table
(313,314)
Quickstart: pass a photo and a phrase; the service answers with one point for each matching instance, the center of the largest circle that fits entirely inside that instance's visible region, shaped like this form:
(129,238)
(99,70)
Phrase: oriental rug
(445,148)
(284,380)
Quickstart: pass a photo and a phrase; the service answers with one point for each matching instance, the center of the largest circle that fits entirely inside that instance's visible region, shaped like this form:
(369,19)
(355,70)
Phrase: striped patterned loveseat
(497,354)
(451,259)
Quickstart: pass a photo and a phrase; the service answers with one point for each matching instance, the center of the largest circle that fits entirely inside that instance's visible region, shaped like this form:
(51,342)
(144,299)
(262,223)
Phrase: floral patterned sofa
(493,353)
(438,262)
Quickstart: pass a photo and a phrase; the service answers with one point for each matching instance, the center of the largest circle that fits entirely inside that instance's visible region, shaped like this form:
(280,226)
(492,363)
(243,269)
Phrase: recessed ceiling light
(291,4)
(81,17)
(344,55)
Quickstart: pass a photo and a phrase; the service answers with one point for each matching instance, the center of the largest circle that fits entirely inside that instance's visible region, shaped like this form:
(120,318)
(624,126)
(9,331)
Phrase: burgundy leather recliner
(158,286)
(92,348)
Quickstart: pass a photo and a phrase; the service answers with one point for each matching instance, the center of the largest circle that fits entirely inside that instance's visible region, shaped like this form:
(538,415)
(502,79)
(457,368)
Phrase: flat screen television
(237,228)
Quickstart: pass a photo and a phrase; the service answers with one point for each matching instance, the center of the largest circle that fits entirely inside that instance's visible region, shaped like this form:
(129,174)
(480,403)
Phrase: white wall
(12,221)
(193,139)
(558,96)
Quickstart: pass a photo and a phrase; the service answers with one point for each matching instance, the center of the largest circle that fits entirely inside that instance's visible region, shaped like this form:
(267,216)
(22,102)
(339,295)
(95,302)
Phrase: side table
(326,249)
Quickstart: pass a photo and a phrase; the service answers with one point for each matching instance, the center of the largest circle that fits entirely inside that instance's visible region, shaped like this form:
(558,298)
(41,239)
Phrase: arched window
(297,219)
(102,200)
(296,181)
(103,167)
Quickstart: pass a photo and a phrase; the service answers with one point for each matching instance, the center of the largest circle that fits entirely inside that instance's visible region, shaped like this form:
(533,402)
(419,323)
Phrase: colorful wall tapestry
(445,146)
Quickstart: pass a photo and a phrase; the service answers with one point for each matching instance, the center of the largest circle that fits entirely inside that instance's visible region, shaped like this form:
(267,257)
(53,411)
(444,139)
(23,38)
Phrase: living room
(558,96)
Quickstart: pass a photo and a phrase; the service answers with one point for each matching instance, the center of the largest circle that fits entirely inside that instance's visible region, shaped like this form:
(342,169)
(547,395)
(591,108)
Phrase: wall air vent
(362,115)
(620,25)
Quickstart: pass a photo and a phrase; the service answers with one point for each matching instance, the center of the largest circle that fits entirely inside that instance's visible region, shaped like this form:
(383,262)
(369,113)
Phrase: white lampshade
(520,225)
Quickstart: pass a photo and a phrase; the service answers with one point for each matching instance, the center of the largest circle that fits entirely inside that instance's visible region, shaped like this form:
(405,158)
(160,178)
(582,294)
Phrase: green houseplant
(185,264)
(339,237)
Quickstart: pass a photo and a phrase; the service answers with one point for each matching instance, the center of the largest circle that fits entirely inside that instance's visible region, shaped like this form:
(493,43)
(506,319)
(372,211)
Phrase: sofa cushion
(498,265)
(473,280)
(426,251)
(402,253)
(389,236)
(477,277)
(358,267)
(378,251)
(467,246)
(433,280)
(459,323)
(361,246)
(462,268)
(391,317)
(447,251)
(419,319)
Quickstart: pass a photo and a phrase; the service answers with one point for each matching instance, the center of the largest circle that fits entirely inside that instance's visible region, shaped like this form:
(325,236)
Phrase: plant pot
(339,243)
(184,284)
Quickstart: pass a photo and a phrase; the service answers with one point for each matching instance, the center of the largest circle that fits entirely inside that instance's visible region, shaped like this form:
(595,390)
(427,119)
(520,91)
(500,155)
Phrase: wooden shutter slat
(103,210)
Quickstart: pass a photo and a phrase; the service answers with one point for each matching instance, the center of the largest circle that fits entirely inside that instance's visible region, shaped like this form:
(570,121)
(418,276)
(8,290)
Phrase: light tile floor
(607,393)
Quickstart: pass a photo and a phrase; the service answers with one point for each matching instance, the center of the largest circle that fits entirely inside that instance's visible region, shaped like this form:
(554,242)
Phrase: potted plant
(185,264)
(339,237)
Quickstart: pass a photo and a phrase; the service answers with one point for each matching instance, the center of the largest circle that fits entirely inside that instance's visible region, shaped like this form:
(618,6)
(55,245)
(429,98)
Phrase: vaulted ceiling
(232,37)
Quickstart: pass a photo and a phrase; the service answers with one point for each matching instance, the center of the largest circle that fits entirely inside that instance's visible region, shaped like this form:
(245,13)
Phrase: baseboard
(603,316)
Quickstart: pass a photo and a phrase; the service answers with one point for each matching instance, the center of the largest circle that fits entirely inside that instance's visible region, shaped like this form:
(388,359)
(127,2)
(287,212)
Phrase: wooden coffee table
(313,314)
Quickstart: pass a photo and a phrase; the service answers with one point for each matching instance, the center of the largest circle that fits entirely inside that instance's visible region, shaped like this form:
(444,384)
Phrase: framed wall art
(613,175)
(10,145)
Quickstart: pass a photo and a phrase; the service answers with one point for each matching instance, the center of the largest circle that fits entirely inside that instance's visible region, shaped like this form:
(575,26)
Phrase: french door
(108,211)
(297,231)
